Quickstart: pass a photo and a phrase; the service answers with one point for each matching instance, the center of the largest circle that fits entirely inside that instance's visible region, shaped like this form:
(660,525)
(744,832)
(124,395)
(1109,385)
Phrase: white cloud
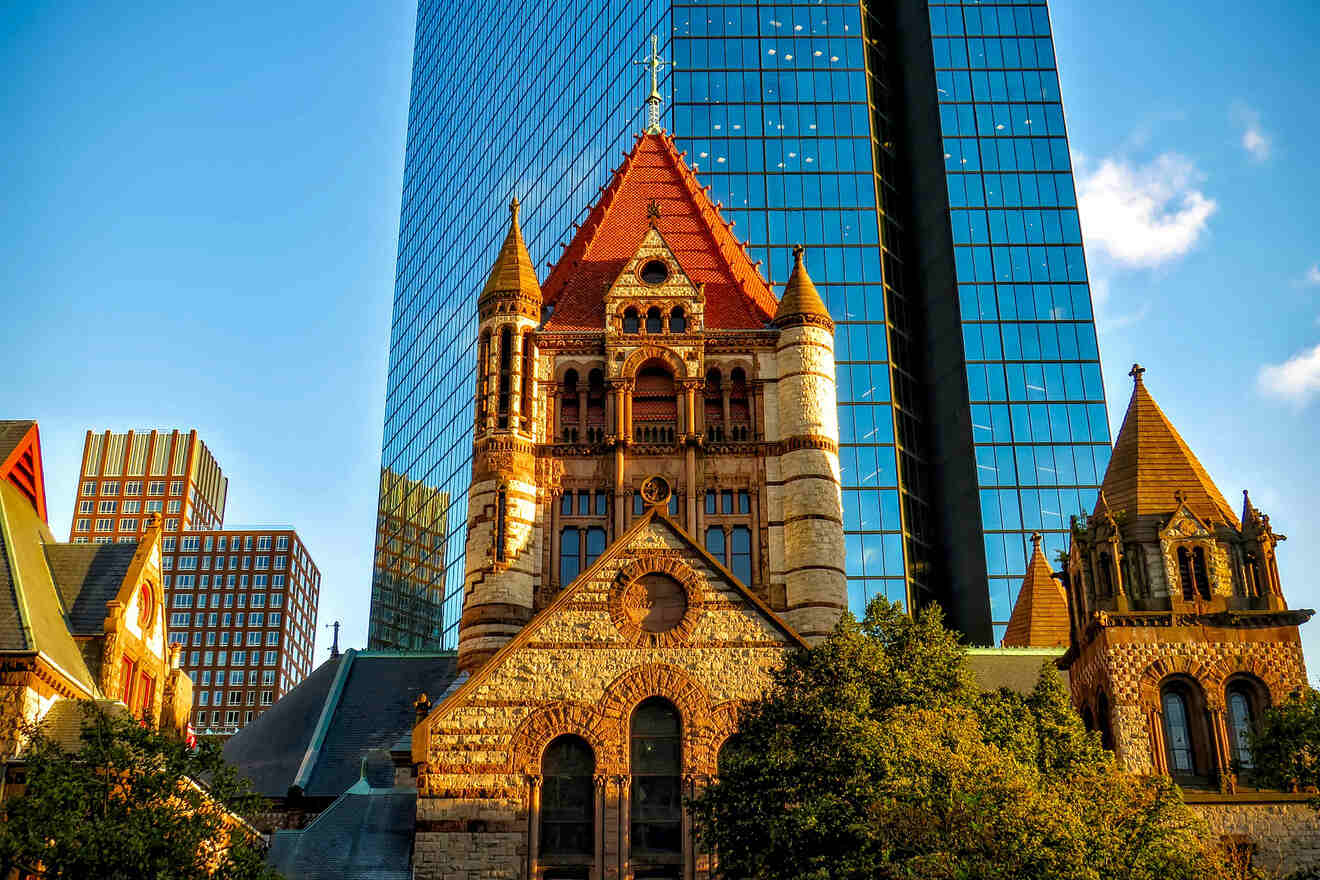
(1313,274)
(1254,139)
(1296,379)
(1110,316)
(1143,215)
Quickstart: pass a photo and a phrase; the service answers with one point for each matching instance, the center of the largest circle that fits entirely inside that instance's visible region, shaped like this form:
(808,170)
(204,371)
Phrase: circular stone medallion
(655,602)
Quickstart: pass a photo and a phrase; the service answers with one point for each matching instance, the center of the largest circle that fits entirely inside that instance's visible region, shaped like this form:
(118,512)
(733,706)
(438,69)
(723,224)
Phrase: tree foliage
(1285,746)
(874,755)
(127,803)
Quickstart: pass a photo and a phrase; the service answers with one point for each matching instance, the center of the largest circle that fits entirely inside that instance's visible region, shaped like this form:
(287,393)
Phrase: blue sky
(201,210)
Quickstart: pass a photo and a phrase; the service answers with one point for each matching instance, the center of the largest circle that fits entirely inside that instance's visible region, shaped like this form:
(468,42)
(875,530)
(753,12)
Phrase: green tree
(874,755)
(127,803)
(1285,746)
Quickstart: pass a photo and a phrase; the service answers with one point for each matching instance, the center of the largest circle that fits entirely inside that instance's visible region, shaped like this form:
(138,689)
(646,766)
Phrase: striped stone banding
(495,613)
(838,520)
(799,568)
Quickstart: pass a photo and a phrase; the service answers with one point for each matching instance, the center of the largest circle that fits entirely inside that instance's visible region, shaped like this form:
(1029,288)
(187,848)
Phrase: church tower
(815,583)
(504,536)
(1180,634)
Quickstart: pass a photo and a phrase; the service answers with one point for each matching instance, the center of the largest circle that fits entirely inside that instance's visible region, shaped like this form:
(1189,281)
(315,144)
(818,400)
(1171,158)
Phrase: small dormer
(653,297)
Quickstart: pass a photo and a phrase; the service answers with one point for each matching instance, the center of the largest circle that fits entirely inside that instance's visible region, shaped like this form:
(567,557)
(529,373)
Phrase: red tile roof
(736,294)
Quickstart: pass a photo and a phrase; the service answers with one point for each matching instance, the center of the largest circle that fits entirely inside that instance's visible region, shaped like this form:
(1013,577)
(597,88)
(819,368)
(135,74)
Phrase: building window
(483,377)
(1186,739)
(528,377)
(654,323)
(1246,698)
(1192,574)
(110,487)
(89,488)
(1178,732)
(715,542)
(501,521)
(133,487)
(655,405)
(569,411)
(656,802)
(677,320)
(505,377)
(568,802)
(740,553)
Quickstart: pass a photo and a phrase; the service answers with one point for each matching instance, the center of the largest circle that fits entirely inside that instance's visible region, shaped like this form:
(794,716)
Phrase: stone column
(533,825)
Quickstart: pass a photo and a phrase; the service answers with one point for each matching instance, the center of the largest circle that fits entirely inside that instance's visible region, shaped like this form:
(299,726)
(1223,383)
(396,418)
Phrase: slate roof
(31,610)
(513,271)
(316,735)
(366,834)
(1040,614)
(1151,462)
(88,576)
(800,294)
(702,241)
(1017,669)
(12,432)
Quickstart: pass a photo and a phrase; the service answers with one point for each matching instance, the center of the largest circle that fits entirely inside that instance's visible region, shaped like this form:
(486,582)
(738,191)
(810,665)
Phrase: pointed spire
(1153,470)
(1250,515)
(513,272)
(800,296)
(1040,615)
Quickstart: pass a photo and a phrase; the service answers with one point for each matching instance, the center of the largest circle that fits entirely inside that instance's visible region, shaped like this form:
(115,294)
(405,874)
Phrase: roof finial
(514,205)
(334,646)
(653,100)
(1135,373)
(1035,541)
(799,253)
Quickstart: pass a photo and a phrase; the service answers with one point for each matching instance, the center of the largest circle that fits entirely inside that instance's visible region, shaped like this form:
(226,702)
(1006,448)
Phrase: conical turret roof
(800,295)
(1151,462)
(513,271)
(1040,615)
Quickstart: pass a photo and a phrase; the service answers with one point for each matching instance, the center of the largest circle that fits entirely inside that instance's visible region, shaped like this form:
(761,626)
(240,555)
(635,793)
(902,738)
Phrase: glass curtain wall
(1039,425)
(538,100)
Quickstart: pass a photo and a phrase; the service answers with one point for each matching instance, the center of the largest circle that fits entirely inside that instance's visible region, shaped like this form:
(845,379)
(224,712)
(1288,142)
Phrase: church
(654,520)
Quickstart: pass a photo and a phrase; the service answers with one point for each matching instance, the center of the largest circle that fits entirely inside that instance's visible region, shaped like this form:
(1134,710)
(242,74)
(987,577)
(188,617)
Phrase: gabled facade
(1180,633)
(654,519)
(81,622)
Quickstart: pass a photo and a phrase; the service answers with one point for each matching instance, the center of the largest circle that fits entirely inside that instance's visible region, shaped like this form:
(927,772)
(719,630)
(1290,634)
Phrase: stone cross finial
(1179,495)
(653,100)
(653,209)
(1135,373)
(1035,541)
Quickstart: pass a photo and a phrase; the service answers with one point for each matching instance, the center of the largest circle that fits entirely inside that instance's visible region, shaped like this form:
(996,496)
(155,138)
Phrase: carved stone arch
(653,352)
(626,692)
(584,366)
(723,725)
(1254,667)
(543,726)
(1205,673)
(625,588)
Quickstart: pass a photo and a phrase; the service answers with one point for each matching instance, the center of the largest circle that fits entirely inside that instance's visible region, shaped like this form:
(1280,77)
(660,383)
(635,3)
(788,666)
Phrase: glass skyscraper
(918,152)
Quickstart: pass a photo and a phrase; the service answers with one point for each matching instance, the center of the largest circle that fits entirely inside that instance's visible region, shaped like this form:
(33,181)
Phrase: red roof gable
(737,297)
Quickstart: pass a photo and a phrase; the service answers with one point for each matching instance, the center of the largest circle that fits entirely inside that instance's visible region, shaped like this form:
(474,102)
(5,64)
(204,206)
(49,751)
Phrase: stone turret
(815,586)
(504,535)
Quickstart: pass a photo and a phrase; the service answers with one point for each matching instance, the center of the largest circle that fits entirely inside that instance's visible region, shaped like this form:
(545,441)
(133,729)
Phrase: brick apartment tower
(241,601)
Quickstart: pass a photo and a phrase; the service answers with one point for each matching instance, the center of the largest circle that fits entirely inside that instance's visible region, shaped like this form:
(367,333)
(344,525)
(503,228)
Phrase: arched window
(1246,698)
(655,405)
(528,379)
(1185,574)
(714,406)
(677,320)
(1178,732)
(569,564)
(654,323)
(1199,572)
(1187,742)
(656,804)
(568,409)
(740,553)
(1106,576)
(596,407)
(483,378)
(501,521)
(568,802)
(505,378)
(740,411)
(631,322)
